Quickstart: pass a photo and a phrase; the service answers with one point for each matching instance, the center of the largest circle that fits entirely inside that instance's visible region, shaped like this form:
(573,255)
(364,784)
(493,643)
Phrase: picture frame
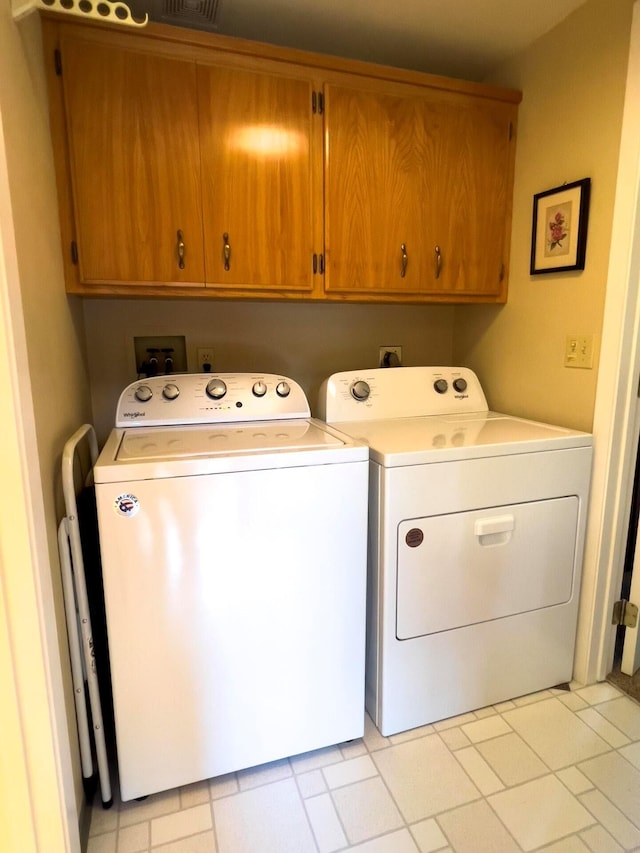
(559,233)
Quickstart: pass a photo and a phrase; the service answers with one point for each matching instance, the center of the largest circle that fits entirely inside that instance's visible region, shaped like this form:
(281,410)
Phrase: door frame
(616,423)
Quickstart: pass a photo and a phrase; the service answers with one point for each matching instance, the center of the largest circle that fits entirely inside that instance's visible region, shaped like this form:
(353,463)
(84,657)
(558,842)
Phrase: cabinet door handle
(405,259)
(438,261)
(226,250)
(180,249)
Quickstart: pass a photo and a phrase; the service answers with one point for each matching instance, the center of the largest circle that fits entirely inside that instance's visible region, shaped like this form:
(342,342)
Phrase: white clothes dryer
(477,523)
(233,532)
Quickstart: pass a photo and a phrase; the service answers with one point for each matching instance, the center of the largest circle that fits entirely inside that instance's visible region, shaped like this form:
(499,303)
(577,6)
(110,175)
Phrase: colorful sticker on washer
(127,505)
(414,537)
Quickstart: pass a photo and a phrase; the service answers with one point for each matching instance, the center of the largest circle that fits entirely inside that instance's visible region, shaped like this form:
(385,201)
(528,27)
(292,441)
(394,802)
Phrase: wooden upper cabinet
(472,163)
(418,194)
(132,125)
(376,192)
(261,147)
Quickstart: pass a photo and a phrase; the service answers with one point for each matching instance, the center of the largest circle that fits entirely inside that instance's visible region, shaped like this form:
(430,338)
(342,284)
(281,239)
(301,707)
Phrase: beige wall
(53,326)
(305,342)
(569,128)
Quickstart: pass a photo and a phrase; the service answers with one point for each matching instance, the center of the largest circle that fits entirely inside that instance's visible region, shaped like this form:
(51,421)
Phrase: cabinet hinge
(624,613)
(317,102)
(57,62)
(74,252)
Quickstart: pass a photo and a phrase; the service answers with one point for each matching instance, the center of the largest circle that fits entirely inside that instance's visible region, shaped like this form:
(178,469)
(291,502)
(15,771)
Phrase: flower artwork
(558,237)
(559,233)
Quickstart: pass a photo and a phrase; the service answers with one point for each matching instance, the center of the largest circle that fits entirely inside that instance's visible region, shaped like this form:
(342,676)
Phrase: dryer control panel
(404,392)
(206,398)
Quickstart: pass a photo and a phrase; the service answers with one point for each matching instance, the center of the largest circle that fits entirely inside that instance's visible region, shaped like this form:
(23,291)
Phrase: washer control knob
(216,389)
(259,389)
(143,393)
(441,386)
(460,384)
(171,391)
(283,389)
(360,390)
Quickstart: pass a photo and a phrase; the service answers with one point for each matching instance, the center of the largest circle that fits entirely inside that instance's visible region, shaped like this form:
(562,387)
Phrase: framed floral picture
(559,237)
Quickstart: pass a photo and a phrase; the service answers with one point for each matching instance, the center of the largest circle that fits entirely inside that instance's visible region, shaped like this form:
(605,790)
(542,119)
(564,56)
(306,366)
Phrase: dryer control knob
(360,390)
(460,384)
(216,389)
(259,389)
(171,391)
(283,389)
(441,386)
(143,393)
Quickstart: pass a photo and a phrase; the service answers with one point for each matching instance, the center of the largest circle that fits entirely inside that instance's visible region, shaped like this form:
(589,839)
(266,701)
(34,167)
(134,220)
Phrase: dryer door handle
(496,524)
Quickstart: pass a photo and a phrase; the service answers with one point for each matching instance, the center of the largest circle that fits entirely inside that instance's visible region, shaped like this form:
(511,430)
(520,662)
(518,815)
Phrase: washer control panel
(203,398)
(403,392)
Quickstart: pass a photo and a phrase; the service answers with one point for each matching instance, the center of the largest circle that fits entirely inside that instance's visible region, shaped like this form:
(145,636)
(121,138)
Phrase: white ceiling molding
(101,10)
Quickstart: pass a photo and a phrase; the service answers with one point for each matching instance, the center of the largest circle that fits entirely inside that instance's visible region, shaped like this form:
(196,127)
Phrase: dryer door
(463,568)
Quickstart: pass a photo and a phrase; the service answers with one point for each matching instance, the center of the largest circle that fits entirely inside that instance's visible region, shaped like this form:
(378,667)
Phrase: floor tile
(103,820)
(481,774)
(512,759)
(624,713)
(269,819)
(133,839)
(481,713)
(450,722)
(186,822)
(607,731)
(194,795)
(611,819)
(574,780)
(484,729)
(454,738)
(204,842)
(372,738)
(424,778)
(395,842)
(428,836)
(311,784)
(572,844)
(598,840)
(618,780)
(325,824)
(316,759)
(631,753)
(154,806)
(532,697)
(223,786)
(596,693)
(412,734)
(556,734)
(105,843)
(474,828)
(540,812)
(353,749)
(572,701)
(366,810)
(347,772)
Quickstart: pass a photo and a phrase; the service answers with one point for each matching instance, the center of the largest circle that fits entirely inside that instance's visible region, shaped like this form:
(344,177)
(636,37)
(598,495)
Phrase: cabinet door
(473,150)
(376,191)
(135,164)
(262,174)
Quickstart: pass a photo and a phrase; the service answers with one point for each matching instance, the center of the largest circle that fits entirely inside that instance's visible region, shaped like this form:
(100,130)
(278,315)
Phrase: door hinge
(74,252)
(57,62)
(317,102)
(624,613)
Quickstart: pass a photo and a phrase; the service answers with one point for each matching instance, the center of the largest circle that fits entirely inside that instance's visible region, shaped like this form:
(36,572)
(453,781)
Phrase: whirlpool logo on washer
(126,505)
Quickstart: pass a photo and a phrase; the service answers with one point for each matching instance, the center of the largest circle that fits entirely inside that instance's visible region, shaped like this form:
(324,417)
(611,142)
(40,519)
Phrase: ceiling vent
(197,14)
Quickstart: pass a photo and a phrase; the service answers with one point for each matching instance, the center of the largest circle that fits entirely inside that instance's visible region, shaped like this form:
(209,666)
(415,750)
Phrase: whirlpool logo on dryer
(136,414)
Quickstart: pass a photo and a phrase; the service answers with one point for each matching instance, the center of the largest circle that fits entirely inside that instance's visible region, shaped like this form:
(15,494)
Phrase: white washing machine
(477,523)
(233,535)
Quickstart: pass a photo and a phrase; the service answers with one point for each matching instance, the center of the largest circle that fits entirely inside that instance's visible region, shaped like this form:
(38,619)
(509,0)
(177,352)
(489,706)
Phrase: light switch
(579,351)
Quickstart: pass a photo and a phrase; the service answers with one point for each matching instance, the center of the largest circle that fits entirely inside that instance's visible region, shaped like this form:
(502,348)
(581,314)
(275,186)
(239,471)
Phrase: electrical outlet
(578,351)
(390,356)
(204,356)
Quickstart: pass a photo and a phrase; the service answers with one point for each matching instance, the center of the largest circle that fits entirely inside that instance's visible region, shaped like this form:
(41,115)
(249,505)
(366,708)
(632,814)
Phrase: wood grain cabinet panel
(132,125)
(261,181)
(190,164)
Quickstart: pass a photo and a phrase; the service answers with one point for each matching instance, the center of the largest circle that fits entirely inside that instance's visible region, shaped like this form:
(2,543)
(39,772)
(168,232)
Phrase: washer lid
(416,441)
(146,453)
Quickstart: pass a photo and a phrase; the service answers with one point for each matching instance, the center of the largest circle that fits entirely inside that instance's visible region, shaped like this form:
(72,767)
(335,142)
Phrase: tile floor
(556,771)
